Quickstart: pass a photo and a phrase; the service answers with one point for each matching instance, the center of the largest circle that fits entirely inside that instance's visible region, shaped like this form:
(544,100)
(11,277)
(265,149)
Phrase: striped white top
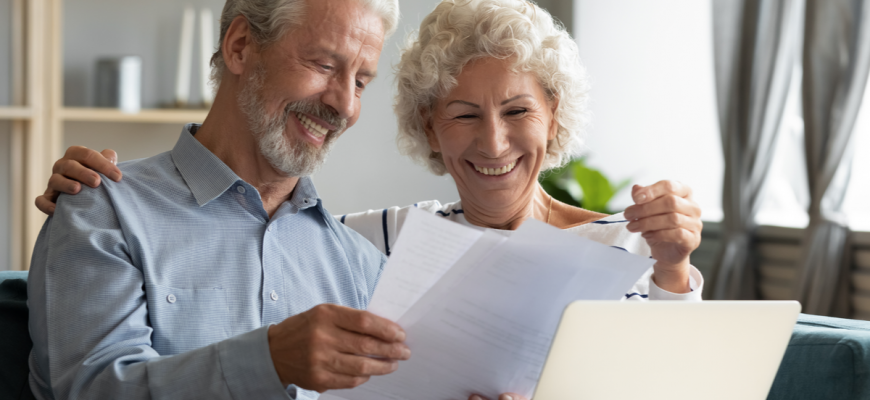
(382,227)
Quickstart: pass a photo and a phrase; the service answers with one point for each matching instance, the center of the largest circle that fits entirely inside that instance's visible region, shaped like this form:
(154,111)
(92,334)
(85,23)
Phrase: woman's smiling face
(492,131)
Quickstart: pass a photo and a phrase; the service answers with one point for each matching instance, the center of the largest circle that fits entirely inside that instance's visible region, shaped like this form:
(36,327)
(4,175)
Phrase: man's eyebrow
(462,102)
(368,74)
(515,98)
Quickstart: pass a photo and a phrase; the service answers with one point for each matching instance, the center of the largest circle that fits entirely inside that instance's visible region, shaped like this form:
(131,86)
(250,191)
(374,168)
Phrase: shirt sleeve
(646,289)
(90,325)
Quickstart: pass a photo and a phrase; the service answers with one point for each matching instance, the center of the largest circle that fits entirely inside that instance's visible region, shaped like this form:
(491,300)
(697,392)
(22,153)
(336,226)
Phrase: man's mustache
(318,110)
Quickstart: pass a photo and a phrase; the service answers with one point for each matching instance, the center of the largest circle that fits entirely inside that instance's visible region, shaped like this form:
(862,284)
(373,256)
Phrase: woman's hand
(670,221)
(77,166)
(503,396)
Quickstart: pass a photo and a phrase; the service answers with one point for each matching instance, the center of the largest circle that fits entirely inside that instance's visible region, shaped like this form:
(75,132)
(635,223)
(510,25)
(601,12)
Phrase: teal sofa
(14,337)
(827,358)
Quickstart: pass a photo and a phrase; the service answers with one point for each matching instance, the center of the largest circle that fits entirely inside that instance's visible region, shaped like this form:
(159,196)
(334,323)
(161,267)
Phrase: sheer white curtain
(836,61)
(756,44)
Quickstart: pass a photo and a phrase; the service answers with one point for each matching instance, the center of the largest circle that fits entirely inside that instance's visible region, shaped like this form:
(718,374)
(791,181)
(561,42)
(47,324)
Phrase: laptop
(667,350)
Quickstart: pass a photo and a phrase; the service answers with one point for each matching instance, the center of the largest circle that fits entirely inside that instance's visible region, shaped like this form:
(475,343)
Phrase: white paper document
(480,309)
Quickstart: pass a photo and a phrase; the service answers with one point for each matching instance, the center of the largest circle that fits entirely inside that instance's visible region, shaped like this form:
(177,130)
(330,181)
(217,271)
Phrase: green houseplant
(579,185)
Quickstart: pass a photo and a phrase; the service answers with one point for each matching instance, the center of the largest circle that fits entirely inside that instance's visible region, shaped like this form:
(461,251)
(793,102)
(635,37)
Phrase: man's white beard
(288,154)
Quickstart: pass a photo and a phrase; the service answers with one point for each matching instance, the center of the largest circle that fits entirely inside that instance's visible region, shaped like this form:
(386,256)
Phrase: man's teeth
(496,171)
(312,126)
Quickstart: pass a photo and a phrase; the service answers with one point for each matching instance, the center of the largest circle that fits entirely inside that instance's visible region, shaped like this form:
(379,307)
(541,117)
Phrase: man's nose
(341,96)
(493,141)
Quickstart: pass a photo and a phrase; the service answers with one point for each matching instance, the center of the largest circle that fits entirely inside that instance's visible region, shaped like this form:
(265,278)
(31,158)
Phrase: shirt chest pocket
(186,319)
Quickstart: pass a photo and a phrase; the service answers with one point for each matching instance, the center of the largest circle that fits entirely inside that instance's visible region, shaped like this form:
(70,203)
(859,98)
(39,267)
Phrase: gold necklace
(549,209)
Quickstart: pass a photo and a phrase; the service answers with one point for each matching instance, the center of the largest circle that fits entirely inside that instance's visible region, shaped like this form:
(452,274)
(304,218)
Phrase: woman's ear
(554,126)
(426,116)
(238,45)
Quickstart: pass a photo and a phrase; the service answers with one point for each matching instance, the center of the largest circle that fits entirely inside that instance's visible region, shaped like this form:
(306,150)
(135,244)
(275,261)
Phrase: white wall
(653,94)
(364,170)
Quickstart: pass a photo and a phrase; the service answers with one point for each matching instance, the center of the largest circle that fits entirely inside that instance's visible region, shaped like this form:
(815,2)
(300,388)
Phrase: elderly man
(213,271)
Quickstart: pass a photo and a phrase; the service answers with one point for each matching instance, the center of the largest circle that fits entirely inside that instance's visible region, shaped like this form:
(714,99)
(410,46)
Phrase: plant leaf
(597,190)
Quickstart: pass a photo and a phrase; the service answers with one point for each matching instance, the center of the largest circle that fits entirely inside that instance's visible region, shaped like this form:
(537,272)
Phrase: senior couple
(214,271)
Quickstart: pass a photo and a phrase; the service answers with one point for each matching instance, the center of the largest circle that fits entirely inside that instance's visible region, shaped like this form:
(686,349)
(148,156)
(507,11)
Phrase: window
(857,196)
(785,195)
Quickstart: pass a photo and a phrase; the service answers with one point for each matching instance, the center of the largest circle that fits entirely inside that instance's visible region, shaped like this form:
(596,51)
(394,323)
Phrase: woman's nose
(493,139)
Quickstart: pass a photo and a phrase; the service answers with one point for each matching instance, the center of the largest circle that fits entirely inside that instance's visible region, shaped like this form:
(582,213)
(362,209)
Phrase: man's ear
(238,45)
(426,116)
(554,126)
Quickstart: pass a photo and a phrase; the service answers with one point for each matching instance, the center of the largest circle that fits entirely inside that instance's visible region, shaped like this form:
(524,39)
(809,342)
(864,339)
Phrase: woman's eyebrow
(515,98)
(462,102)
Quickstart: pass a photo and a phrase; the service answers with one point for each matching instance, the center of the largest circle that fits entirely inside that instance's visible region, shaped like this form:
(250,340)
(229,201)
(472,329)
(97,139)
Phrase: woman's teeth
(313,127)
(496,171)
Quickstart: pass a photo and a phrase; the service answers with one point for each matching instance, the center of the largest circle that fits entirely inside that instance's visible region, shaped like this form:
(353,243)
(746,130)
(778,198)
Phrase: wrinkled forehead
(342,24)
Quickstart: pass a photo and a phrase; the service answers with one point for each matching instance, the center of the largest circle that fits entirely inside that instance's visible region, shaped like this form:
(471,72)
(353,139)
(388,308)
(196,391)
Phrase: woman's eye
(466,116)
(516,112)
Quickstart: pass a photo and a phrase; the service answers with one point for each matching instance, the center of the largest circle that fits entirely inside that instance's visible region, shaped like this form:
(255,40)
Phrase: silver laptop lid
(667,350)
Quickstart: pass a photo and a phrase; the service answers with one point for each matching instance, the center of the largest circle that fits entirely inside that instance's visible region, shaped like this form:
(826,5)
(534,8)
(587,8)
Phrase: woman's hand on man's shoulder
(79,165)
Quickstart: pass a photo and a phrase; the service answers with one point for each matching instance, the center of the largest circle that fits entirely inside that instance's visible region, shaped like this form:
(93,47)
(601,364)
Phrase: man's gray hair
(271,19)
(460,31)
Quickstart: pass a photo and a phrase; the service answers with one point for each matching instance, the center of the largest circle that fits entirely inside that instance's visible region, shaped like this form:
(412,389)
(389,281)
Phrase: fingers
(644,194)
(663,205)
(78,156)
(677,236)
(667,221)
(364,345)
(367,323)
(110,155)
(66,170)
(354,365)
(45,205)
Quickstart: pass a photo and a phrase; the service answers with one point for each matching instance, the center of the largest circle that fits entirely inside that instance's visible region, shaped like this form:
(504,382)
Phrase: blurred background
(668,78)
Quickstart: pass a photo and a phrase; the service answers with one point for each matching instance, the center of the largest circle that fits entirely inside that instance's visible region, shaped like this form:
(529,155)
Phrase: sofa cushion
(15,341)
(827,358)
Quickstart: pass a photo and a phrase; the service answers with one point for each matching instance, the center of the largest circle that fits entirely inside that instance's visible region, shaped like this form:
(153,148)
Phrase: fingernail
(400,336)
(641,197)
(506,397)
(476,397)
(406,353)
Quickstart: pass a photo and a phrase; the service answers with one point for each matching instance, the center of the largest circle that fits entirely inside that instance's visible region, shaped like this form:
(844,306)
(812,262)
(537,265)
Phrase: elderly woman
(493,93)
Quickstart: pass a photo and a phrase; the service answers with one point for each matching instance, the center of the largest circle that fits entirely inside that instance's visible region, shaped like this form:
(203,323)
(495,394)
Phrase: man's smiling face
(304,90)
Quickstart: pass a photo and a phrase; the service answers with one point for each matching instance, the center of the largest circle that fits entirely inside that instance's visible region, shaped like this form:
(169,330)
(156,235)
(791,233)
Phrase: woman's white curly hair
(460,31)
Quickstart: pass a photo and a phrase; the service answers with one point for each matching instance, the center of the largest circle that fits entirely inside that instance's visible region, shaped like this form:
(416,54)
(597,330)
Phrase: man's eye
(326,67)
(360,85)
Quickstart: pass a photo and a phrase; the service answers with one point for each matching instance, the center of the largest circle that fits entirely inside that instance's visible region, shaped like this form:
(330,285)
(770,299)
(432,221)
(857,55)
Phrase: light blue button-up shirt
(163,285)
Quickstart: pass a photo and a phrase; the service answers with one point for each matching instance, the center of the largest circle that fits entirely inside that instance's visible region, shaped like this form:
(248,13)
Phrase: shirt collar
(208,177)
(205,174)
(304,195)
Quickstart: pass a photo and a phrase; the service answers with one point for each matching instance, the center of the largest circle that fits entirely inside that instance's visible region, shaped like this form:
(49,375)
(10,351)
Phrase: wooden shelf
(168,116)
(15,113)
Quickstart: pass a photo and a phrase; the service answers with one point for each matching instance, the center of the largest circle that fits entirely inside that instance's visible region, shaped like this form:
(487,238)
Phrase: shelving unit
(148,116)
(38,114)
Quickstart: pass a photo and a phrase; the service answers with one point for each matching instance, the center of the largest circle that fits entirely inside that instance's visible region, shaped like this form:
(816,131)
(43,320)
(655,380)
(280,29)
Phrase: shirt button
(170,298)
(269,228)
(274,296)
(240,189)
